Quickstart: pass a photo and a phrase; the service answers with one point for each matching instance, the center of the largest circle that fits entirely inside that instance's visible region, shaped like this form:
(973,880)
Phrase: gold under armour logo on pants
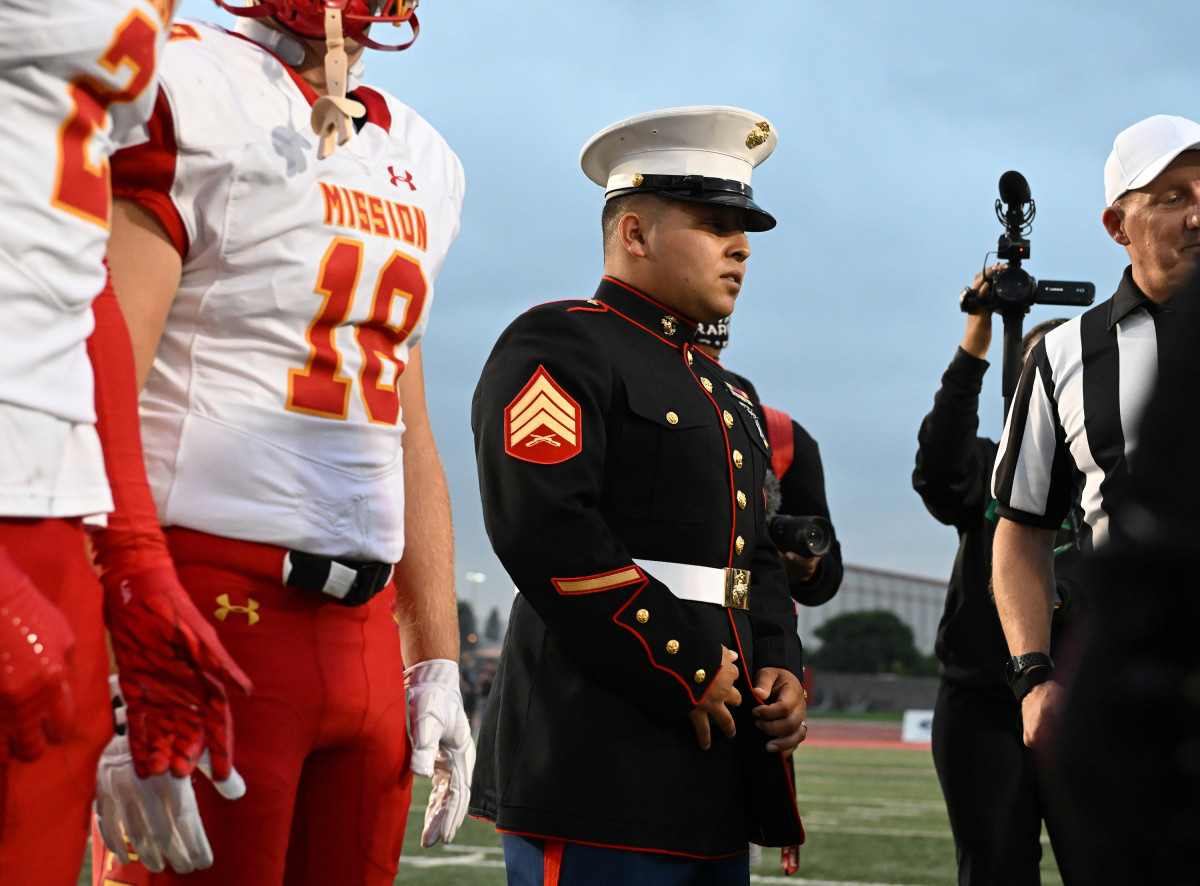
(224,607)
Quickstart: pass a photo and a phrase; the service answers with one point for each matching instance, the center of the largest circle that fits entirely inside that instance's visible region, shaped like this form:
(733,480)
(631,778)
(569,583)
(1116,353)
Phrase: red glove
(173,668)
(34,640)
(173,673)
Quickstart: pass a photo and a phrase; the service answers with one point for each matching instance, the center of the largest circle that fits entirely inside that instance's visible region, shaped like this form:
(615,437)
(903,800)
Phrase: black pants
(994,795)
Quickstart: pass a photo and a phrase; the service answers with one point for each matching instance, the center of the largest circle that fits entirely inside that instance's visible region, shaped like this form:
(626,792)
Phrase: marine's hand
(34,641)
(174,672)
(720,697)
(783,716)
(1040,711)
(441,745)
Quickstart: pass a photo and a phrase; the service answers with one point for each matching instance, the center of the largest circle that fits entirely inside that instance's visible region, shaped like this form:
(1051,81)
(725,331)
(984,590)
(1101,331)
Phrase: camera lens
(806,536)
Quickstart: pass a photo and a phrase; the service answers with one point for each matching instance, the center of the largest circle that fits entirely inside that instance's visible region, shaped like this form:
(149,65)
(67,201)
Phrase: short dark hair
(1031,337)
(616,208)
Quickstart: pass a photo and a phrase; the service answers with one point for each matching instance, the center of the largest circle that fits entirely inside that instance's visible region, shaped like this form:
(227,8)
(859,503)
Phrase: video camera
(1013,291)
(806,536)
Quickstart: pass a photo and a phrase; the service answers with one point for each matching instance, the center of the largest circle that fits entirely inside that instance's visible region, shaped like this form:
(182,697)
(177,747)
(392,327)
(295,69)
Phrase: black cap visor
(699,189)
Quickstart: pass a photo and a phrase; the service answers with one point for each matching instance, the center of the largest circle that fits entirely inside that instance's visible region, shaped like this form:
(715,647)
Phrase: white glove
(441,745)
(158,816)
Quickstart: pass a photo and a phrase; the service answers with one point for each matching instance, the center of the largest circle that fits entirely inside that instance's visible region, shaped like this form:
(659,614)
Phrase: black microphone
(1014,189)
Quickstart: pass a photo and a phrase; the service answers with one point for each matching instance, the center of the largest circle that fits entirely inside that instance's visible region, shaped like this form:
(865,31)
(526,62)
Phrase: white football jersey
(75,77)
(271,413)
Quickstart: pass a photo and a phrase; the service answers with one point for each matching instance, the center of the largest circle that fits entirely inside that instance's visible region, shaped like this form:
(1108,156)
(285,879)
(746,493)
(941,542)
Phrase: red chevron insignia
(542,424)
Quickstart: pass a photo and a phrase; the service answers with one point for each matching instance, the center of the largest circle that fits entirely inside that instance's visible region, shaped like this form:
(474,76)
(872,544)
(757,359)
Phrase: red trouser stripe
(552,862)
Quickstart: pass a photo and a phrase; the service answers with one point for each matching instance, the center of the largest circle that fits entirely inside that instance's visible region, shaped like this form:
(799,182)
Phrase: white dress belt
(702,584)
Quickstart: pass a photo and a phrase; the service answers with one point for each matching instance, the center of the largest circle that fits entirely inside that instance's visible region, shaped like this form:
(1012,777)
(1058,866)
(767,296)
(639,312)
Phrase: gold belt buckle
(737,588)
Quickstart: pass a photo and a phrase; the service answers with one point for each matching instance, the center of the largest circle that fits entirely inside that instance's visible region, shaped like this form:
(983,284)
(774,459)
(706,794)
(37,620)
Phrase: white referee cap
(701,154)
(1144,150)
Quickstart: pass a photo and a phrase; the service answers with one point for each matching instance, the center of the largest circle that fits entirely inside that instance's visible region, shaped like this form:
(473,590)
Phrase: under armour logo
(224,607)
(405,179)
(542,438)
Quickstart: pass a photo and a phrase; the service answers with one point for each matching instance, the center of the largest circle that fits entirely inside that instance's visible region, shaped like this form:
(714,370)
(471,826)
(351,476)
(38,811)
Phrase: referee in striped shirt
(1075,416)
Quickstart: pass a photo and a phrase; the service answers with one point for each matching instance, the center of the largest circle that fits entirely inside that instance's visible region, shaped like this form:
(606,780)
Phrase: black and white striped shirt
(1076,414)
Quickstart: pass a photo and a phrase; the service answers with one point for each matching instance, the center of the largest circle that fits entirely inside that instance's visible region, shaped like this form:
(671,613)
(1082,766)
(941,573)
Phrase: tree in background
(468,634)
(872,642)
(491,630)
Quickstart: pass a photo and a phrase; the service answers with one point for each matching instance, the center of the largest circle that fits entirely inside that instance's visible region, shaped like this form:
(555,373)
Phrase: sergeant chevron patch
(542,425)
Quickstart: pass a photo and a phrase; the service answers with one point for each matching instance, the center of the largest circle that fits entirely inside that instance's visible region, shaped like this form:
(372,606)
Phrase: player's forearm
(1023,583)
(425,574)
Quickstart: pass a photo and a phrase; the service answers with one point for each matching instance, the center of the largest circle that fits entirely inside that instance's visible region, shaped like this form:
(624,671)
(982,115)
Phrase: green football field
(874,817)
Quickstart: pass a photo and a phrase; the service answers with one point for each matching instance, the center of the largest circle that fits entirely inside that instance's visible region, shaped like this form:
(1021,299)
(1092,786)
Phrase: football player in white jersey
(75,77)
(274,248)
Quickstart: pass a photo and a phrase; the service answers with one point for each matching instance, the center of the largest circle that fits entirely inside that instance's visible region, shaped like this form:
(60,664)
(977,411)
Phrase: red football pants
(322,741)
(45,806)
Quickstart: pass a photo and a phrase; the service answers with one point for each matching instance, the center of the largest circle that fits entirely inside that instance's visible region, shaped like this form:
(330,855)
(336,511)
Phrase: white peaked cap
(720,145)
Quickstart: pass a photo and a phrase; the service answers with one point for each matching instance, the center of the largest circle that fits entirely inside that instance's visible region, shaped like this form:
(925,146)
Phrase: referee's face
(1159,225)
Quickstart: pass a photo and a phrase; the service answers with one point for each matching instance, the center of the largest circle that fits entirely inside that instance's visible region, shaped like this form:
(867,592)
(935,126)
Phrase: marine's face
(697,258)
(1159,225)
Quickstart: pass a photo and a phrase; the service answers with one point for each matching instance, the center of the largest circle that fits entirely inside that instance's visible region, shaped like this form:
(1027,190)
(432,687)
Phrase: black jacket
(602,436)
(953,476)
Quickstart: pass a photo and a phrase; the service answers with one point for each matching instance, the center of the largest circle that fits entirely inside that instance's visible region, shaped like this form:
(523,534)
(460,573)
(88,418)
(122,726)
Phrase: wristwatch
(1023,672)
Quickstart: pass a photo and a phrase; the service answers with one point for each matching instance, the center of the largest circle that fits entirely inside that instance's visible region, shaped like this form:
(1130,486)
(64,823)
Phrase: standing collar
(641,310)
(1127,299)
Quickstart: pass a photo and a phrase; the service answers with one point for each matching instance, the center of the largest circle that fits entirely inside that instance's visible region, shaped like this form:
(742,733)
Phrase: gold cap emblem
(637,179)
(758,135)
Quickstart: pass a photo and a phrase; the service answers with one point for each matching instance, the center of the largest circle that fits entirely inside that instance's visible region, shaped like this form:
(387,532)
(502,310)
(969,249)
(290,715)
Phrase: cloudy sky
(895,121)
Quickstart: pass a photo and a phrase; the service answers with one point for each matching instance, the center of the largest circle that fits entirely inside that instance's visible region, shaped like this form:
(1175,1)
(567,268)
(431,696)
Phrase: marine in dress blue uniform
(621,473)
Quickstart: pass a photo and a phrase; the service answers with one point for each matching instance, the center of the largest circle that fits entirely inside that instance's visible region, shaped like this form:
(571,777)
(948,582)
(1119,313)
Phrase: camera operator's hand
(799,569)
(978,336)
(720,695)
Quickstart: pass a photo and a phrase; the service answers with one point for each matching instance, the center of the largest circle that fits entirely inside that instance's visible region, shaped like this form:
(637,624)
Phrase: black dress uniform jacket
(641,447)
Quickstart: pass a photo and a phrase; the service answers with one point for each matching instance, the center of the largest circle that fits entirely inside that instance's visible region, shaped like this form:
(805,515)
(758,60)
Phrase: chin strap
(333,114)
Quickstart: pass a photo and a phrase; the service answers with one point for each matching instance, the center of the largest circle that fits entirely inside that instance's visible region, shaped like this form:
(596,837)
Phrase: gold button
(700,675)
(668,325)
(707,384)
(643,616)
(728,419)
(741,499)
(740,544)
(737,459)
(672,646)
(672,418)
(689,358)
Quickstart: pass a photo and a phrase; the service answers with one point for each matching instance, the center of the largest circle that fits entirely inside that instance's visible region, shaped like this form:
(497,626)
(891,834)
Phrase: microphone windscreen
(1014,188)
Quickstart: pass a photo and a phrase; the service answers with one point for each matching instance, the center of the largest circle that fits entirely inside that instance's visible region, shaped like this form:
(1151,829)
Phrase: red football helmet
(307,17)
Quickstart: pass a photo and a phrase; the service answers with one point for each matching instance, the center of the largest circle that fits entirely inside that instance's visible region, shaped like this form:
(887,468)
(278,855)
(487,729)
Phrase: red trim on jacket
(144,174)
(650,655)
(547,837)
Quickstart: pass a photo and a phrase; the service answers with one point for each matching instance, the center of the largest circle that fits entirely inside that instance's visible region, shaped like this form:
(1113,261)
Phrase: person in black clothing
(994,796)
(795,484)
